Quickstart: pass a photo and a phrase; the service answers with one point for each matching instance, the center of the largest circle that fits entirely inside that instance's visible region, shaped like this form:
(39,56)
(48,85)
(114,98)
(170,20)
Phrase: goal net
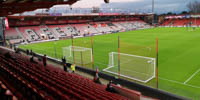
(79,55)
(134,67)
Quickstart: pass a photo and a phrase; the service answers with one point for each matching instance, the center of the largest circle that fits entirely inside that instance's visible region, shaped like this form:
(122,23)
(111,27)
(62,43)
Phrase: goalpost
(81,55)
(133,67)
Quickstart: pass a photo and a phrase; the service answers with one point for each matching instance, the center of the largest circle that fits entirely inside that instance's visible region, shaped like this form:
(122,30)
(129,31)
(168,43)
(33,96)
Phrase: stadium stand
(37,33)
(118,24)
(60,30)
(195,22)
(80,28)
(73,31)
(102,27)
(92,29)
(29,33)
(13,36)
(113,27)
(41,33)
(5,93)
(33,81)
(132,25)
(166,22)
(45,31)
(181,22)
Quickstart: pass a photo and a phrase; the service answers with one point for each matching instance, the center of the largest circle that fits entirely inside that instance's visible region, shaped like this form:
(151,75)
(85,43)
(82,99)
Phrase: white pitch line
(173,81)
(192,76)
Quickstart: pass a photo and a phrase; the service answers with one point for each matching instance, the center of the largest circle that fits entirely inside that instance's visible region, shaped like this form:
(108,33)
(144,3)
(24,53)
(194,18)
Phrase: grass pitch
(179,54)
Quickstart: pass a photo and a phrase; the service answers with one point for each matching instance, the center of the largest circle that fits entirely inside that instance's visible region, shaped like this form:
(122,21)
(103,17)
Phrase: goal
(79,55)
(133,67)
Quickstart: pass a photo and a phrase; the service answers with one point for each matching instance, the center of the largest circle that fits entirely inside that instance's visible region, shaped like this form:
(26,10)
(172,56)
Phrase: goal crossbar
(127,76)
(77,51)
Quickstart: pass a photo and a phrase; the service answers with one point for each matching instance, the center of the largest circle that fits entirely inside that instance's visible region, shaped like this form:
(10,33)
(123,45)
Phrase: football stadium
(59,50)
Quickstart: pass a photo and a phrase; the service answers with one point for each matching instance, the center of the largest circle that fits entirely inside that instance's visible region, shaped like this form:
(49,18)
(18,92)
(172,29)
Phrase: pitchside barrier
(49,51)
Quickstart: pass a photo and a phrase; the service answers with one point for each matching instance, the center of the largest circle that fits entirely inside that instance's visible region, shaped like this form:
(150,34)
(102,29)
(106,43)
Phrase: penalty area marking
(192,76)
(177,82)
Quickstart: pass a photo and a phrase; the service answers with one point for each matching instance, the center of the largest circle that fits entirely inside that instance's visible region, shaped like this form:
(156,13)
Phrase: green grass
(179,54)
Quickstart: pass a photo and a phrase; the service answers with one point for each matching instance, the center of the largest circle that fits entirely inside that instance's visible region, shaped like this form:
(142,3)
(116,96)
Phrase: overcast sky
(161,6)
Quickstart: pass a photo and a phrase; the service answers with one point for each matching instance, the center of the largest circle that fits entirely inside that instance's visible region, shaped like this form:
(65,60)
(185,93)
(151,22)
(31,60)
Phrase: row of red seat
(49,83)
(5,93)
(20,84)
(181,22)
